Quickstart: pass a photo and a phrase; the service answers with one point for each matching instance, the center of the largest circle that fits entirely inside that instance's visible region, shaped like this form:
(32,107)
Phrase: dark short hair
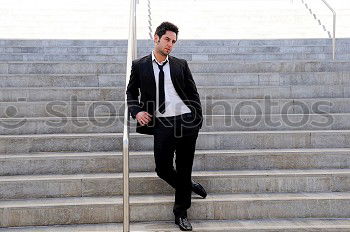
(166,26)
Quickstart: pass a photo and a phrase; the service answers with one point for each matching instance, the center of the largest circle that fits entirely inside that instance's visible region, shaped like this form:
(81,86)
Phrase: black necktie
(161,88)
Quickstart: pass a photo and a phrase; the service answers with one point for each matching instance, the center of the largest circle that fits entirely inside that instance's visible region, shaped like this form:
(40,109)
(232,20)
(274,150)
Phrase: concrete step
(273,79)
(63,94)
(71,57)
(196,66)
(64,80)
(69,42)
(148,44)
(264,225)
(189,57)
(213,92)
(211,107)
(274,106)
(178,49)
(23,109)
(143,183)
(204,79)
(113,124)
(107,162)
(251,56)
(206,141)
(269,66)
(241,50)
(217,42)
(61,67)
(212,160)
(286,91)
(83,210)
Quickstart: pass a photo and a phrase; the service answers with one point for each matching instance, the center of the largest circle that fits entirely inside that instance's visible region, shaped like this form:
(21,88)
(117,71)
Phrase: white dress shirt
(173,103)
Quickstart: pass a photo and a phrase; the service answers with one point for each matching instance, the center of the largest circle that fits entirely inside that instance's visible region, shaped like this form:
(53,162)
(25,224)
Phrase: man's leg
(185,148)
(164,147)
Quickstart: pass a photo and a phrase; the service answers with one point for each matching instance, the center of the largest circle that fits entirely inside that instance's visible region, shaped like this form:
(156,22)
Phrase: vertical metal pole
(131,55)
(126,213)
(135,32)
(334,23)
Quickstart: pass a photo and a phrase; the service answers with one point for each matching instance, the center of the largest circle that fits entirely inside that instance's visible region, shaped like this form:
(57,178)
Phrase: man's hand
(143,117)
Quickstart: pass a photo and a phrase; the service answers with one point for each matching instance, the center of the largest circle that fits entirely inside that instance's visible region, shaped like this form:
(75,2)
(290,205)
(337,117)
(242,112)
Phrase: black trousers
(176,134)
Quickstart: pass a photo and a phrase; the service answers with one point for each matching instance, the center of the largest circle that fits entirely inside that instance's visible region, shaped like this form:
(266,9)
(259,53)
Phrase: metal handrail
(334,22)
(132,51)
(150,19)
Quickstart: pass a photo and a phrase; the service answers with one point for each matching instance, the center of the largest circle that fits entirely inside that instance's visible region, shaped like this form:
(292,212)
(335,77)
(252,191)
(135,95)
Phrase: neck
(160,57)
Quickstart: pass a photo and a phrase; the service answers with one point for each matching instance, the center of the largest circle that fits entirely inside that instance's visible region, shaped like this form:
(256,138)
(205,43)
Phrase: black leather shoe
(183,223)
(198,189)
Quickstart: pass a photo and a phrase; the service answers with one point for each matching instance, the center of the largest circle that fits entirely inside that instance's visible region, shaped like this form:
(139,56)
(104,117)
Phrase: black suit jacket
(142,82)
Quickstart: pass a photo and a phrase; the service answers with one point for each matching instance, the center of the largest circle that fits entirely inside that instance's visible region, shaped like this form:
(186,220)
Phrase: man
(169,108)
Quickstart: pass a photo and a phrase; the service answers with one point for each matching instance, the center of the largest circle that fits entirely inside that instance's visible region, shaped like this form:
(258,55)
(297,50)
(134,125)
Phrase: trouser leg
(185,149)
(164,147)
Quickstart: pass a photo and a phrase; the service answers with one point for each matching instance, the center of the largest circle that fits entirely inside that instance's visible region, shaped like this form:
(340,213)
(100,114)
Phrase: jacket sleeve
(132,91)
(191,91)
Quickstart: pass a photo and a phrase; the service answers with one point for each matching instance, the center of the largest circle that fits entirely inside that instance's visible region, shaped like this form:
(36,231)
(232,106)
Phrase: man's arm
(132,92)
(191,92)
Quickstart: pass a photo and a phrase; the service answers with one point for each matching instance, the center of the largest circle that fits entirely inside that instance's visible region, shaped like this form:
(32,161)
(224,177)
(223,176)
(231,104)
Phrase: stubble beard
(164,53)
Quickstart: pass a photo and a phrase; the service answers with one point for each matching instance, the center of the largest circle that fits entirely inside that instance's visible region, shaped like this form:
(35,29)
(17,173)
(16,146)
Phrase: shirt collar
(154,58)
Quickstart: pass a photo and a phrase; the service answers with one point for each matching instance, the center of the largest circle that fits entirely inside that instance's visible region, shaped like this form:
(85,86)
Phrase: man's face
(165,44)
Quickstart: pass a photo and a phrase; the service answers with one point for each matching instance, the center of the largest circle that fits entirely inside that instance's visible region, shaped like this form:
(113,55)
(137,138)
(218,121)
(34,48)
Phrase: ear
(155,38)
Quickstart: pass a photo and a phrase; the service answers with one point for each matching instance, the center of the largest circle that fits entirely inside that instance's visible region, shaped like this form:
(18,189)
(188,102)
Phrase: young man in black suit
(169,108)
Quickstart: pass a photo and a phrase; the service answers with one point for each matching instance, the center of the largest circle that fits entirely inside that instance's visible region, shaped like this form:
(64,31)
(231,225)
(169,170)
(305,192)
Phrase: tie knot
(161,66)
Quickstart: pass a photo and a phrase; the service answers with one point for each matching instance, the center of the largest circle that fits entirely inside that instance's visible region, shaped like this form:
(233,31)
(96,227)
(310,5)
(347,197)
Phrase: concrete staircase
(273,154)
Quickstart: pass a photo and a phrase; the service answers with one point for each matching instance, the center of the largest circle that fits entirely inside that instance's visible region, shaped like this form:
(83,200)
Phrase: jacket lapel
(174,73)
(149,67)
(176,77)
(172,67)
(149,73)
